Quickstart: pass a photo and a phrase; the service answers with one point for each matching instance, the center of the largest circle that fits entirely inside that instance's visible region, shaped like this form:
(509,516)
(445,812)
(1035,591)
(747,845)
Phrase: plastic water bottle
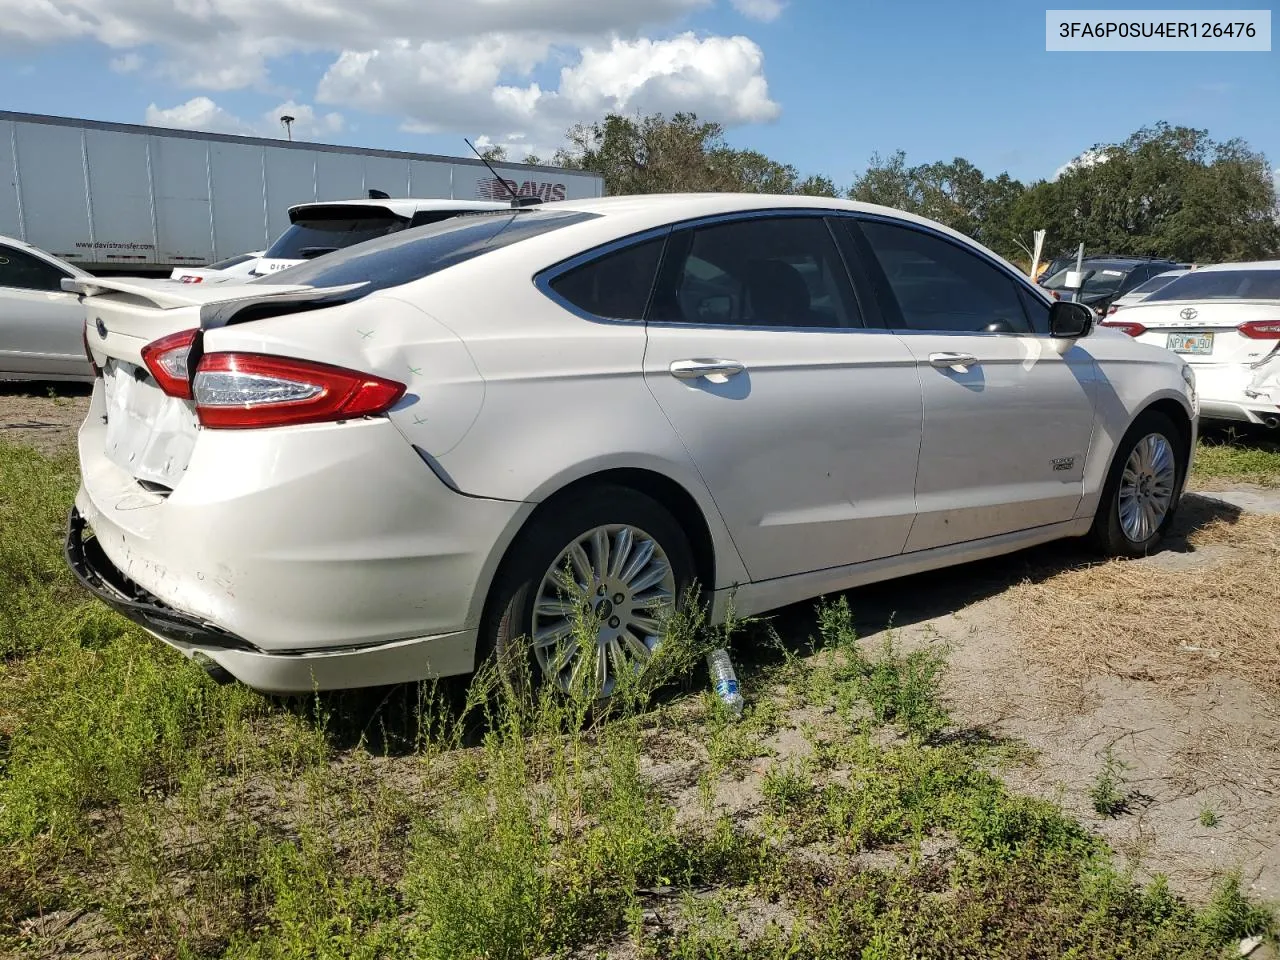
(723,680)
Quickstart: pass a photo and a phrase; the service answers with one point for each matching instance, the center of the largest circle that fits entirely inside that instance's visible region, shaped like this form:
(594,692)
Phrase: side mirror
(1069,320)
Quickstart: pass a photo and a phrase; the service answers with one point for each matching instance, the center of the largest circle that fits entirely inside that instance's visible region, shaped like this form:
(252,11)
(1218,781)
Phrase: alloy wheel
(599,608)
(1146,487)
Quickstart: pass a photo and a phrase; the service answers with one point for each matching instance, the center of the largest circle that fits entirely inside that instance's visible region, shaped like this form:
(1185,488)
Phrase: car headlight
(1189,376)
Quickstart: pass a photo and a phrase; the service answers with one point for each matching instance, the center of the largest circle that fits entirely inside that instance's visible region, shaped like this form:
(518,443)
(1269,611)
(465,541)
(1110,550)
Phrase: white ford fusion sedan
(390,463)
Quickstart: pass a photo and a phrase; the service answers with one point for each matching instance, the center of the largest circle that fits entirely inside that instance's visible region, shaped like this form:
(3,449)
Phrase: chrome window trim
(544,277)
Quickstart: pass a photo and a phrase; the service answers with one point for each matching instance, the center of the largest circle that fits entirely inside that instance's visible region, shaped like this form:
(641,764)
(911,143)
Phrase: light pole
(288,125)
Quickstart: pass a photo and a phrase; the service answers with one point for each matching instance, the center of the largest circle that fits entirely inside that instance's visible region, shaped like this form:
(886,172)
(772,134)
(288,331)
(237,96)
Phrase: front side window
(615,286)
(25,272)
(767,272)
(937,285)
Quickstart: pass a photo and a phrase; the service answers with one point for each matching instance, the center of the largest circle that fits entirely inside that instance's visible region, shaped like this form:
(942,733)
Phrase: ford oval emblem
(1190,313)
(102,328)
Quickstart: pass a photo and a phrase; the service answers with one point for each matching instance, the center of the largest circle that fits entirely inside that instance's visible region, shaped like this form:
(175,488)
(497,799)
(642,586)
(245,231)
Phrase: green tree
(1165,191)
(659,154)
(956,194)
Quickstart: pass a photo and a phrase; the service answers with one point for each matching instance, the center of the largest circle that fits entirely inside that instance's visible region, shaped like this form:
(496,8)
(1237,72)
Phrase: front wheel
(1141,493)
(587,588)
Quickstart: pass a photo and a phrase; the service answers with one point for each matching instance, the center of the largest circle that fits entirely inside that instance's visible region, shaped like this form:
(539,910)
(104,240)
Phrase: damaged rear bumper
(298,671)
(103,579)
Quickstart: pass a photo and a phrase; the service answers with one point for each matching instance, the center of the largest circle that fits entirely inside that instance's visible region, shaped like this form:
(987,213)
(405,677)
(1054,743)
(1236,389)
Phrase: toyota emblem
(1189,313)
(101,328)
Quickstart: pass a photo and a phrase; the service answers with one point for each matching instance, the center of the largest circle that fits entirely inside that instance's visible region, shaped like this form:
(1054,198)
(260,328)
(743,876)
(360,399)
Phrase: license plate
(1197,343)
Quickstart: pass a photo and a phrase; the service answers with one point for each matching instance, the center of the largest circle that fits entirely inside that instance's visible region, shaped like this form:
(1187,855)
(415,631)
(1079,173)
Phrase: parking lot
(1139,698)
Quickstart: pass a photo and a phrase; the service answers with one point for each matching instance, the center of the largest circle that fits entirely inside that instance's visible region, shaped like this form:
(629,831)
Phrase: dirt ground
(1198,744)
(46,417)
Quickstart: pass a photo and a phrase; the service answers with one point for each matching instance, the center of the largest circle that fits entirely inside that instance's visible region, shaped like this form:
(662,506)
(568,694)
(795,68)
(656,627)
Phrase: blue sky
(818,83)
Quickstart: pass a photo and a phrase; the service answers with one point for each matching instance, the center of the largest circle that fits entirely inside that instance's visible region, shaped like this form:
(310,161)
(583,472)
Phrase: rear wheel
(1140,497)
(586,588)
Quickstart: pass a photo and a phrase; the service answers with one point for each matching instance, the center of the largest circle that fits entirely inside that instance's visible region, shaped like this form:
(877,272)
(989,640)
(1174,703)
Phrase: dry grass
(1164,622)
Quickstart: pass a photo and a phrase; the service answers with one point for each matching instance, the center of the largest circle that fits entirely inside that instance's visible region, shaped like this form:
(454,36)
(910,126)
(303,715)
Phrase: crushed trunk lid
(149,433)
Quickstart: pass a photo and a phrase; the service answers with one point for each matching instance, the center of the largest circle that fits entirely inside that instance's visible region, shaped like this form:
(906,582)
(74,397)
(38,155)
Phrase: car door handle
(953,359)
(693,369)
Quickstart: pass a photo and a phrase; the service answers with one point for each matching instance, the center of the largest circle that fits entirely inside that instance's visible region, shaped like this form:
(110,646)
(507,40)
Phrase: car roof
(45,254)
(1249,265)
(407,206)
(633,213)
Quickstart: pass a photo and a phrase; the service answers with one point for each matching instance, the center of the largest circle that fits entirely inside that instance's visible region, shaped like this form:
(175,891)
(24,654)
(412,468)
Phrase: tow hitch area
(99,576)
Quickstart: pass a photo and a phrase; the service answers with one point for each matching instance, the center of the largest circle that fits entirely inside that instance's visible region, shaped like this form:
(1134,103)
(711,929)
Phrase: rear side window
(939,286)
(615,286)
(319,231)
(21,270)
(413,254)
(1221,285)
(1152,285)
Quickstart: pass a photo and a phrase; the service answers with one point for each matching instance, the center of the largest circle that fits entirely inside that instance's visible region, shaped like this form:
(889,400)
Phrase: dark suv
(1106,279)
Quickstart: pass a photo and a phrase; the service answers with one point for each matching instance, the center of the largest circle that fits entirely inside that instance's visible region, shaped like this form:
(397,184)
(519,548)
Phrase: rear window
(410,255)
(232,261)
(320,231)
(1152,285)
(1222,285)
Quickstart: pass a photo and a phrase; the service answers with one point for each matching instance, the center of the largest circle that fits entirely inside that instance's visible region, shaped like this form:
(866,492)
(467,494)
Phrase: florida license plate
(1196,343)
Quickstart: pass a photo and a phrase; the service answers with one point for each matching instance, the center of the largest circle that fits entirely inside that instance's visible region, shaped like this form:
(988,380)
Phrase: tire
(1110,533)
(516,612)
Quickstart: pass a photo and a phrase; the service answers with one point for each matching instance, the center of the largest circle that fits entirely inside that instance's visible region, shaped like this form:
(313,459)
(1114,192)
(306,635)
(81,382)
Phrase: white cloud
(476,66)
(451,86)
(129,63)
(201,113)
(765,11)
(719,76)
(1090,158)
(198,113)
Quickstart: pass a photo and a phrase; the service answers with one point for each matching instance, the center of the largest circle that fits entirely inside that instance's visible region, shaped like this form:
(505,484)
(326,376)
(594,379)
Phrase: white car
(1224,320)
(1144,290)
(319,228)
(237,267)
(41,325)
(395,461)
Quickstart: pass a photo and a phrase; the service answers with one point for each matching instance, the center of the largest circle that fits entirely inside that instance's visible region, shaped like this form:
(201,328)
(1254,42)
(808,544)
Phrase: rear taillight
(166,358)
(246,390)
(84,335)
(1260,329)
(193,279)
(1113,310)
(1131,327)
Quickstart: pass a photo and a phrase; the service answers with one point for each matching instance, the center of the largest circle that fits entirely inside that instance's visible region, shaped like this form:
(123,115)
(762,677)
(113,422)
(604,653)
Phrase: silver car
(41,325)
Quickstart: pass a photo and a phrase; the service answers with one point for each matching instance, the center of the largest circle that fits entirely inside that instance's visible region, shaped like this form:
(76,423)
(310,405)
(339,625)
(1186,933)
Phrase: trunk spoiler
(219,306)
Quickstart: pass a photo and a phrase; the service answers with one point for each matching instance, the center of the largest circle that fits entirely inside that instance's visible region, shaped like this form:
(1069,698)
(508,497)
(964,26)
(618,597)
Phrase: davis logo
(491,188)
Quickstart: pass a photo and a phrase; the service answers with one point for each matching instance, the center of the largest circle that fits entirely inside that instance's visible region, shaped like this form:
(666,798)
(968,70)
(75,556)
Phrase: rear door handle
(953,359)
(693,369)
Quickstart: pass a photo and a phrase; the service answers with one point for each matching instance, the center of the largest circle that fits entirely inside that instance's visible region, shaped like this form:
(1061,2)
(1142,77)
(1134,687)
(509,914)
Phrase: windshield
(410,255)
(317,232)
(1100,282)
(1261,284)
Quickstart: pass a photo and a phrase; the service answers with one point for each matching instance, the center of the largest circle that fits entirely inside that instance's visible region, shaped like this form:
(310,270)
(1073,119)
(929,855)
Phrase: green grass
(1255,462)
(184,819)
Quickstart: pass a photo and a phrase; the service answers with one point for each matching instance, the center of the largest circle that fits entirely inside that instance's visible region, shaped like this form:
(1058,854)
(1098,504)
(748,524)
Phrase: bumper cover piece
(103,579)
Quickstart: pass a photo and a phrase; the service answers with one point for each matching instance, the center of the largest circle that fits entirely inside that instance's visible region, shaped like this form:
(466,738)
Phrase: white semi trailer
(124,198)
